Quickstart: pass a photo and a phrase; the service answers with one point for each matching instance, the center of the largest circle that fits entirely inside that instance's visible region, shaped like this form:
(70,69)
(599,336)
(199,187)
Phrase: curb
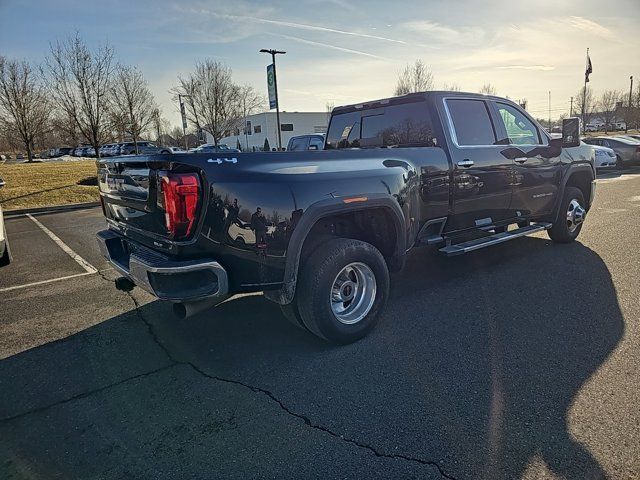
(52,208)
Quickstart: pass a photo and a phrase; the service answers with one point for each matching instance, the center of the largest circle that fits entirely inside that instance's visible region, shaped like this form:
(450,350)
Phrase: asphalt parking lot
(520,361)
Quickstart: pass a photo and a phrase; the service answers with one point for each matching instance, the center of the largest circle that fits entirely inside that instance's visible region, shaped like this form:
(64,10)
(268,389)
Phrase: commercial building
(263,126)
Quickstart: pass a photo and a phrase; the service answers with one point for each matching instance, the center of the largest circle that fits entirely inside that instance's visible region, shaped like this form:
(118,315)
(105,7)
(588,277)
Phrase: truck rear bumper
(167,279)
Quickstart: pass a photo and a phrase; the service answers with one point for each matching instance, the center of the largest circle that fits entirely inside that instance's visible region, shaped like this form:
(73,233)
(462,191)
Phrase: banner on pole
(271,86)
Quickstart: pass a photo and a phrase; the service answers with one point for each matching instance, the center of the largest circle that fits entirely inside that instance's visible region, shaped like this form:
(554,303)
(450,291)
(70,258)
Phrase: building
(263,126)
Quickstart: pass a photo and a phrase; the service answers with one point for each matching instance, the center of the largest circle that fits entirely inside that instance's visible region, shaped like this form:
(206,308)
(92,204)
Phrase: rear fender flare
(325,208)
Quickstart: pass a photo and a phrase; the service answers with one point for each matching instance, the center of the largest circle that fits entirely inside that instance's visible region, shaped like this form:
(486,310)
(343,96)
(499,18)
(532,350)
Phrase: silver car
(605,157)
(627,150)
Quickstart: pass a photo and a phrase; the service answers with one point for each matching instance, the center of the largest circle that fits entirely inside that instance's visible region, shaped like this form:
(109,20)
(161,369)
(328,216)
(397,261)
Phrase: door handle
(465,163)
(520,159)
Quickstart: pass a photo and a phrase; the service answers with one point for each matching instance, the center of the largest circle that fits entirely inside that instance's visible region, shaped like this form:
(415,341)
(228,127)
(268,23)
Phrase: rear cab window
(395,125)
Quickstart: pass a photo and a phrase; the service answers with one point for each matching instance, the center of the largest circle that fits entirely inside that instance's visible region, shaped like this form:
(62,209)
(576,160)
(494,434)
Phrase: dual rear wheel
(341,291)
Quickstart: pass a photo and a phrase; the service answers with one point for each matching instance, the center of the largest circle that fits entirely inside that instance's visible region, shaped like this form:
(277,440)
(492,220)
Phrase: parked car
(605,157)
(627,150)
(144,148)
(105,150)
(5,252)
(634,136)
(211,148)
(305,142)
(342,218)
(89,152)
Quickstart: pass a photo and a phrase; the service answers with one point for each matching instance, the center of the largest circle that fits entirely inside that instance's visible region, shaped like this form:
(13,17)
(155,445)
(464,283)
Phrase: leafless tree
(249,102)
(586,110)
(211,97)
(488,89)
(451,87)
(132,101)
(24,105)
(414,78)
(607,106)
(80,80)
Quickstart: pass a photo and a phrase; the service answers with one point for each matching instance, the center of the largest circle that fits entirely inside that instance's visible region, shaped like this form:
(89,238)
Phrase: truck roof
(409,98)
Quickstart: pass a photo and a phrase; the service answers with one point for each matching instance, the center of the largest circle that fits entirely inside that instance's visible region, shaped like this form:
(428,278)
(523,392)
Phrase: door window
(404,125)
(520,130)
(471,122)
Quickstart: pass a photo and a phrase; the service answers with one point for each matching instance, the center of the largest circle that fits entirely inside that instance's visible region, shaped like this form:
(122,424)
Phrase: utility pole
(184,120)
(626,123)
(571,108)
(549,111)
(275,82)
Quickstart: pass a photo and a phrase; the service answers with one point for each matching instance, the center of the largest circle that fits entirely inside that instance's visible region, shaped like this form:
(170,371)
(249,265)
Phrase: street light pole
(626,123)
(275,85)
(184,121)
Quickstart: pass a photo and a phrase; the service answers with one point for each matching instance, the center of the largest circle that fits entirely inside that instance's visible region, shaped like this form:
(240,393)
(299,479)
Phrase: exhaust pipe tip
(184,310)
(180,310)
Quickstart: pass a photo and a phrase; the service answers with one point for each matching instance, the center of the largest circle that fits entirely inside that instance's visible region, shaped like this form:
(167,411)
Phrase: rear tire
(342,290)
(570,217)
(292,314)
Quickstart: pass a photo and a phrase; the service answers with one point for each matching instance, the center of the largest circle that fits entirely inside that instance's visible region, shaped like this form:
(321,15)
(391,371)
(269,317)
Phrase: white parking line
(79,260)
(42,282)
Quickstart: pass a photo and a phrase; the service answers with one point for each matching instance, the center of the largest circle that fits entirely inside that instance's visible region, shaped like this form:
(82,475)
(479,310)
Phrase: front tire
(342,290)
(570,217)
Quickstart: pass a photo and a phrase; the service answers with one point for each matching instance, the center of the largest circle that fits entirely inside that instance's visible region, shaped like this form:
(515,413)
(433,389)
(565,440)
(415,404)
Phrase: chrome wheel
(575,215)
(353,293)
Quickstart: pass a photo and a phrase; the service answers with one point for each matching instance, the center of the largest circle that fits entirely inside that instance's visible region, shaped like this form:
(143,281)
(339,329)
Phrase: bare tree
(80,80)
(451,87)
(249,102)
(211,97)
(414,78)
(607,105)
(585,104)
(488,89)
(132,101)
(24,105)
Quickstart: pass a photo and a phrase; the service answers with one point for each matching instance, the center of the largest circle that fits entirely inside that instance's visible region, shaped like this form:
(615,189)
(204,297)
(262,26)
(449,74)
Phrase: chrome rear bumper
(167,279)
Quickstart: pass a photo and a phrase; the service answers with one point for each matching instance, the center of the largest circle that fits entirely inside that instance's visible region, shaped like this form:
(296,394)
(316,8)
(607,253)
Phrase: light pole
(626,123)
(275,84)
(184,119)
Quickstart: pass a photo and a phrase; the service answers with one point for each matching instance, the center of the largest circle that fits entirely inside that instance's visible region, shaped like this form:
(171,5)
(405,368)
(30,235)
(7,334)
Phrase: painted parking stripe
(79,260)
(42,282)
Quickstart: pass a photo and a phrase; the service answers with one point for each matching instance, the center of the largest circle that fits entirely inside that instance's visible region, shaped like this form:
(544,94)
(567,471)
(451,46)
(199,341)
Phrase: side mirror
(571,132)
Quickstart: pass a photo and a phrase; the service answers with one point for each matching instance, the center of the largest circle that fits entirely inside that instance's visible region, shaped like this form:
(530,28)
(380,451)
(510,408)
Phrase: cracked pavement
(513,362)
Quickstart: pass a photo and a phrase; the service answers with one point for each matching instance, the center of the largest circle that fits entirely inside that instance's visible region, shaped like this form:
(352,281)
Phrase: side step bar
(478,243)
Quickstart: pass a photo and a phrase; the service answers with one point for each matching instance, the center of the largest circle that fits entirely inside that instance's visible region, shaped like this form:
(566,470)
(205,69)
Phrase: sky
(348,51)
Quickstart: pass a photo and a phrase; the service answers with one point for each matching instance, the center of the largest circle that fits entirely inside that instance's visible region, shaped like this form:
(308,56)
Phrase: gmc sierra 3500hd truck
(319,231)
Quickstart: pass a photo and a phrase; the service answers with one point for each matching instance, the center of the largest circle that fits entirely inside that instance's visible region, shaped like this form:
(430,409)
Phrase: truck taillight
(181,192)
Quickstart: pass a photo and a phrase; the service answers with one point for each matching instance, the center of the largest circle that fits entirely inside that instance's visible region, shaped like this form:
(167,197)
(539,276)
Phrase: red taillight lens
(181,193)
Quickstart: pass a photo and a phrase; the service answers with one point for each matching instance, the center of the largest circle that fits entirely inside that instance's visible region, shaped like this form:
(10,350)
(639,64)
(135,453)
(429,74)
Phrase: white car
(605,157)
(5,253)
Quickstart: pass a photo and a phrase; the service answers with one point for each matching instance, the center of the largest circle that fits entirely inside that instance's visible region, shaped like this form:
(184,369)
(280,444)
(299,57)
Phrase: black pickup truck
(319,231)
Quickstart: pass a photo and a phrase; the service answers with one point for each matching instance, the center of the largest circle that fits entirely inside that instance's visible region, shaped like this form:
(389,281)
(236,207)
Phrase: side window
(471,122)
(403,125)
(257,129)
(318,142)
(520,130)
